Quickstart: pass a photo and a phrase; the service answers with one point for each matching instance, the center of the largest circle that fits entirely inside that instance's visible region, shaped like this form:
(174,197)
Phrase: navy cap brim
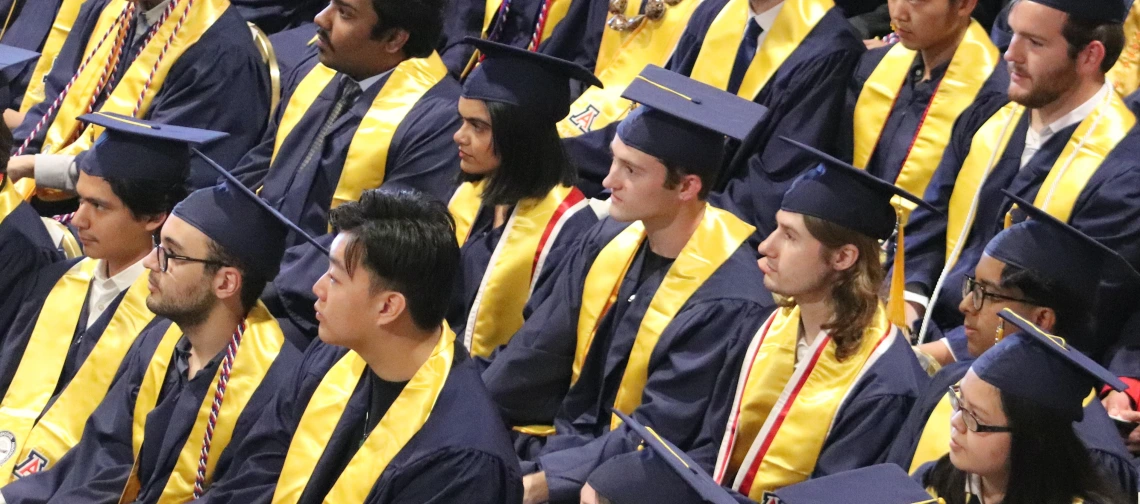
(167,132)
(11,56)
(862,176)
(695,102)
(260,202)
(1060,348)
(679,462)
(877,484)
(550,63)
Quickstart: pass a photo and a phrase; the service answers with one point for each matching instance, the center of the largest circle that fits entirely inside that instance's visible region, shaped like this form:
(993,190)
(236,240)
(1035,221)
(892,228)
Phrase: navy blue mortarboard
(1040,367)
(660,473)
(11,55)
(877,484)
(1057,251)
(535,82)
(842,194)
(245,225)
(684,122)
(137,149)
(1100,11)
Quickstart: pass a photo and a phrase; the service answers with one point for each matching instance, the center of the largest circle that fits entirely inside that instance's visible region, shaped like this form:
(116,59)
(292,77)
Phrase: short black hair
(422,19)
(707,173)
(1073,309)
(1079,33)
(147,198)
(531,158)
(252,283)
(5,147)
(406,240)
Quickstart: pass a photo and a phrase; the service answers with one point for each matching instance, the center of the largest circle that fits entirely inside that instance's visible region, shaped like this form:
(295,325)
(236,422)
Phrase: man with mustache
(373,106)
(1060,142)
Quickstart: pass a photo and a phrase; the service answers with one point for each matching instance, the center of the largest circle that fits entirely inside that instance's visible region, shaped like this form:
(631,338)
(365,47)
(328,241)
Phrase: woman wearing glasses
(1012,439)
(1047,272)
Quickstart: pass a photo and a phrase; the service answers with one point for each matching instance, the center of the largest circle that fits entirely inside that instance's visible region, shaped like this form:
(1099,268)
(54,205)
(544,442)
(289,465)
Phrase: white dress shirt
(105,289)
(1035,139)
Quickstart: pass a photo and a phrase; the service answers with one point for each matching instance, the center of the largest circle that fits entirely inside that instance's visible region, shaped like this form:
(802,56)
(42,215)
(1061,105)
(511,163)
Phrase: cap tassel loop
(896,303)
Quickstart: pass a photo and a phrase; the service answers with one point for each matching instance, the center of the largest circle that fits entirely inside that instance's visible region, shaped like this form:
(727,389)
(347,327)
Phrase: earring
(1000,331)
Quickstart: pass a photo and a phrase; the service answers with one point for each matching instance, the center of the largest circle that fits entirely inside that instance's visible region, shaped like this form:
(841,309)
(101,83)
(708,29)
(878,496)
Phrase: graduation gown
(1096,430)
(907,113)
(220,83)
(530,378)
(805,100)
(25,249)
(477,252)
(28,29)
(273,16)
(1107,208)
(464,18)
(97,469)
(461,454)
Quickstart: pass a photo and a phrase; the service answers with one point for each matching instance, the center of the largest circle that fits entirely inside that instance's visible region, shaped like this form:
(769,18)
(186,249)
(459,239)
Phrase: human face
(1040,70)
(183,293)
(793,261)
(981,453)
(344,38)
(105,225)
(343,300)
(475,139)
(927,24)
(637,184)
(981,325)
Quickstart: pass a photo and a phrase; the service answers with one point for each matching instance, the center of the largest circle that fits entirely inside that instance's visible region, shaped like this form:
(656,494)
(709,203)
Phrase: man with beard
(80,317)
(1050,144)
(187,383)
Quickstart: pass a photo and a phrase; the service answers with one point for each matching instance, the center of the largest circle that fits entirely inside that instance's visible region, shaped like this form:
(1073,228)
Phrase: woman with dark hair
(1041,269)
(517,208)
(1012,440)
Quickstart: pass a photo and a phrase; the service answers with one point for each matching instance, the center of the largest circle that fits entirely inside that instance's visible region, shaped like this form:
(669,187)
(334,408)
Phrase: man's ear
(154,222)
(691,186)
(845,257)
(394,40)
(227,282)
(389,305)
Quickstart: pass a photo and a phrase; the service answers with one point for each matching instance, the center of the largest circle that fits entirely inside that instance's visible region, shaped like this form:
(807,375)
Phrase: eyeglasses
(972,287)
(165,255)
(968,417)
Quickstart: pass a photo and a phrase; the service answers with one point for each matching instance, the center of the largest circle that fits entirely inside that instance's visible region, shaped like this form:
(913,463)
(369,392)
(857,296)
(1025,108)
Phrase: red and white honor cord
(540,26)
(219,395)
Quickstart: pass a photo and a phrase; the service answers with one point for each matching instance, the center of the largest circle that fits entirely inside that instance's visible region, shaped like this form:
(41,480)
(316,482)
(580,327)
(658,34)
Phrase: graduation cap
(135,149)
(1102,11)
(682,121)
(1057,251)
(645,477)
(877,484)
(1043,368)
(532,81)
(12,55)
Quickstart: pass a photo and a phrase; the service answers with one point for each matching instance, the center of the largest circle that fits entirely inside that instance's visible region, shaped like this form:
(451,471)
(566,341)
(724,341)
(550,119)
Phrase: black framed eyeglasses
(971,286)
(968,417)
(165,255)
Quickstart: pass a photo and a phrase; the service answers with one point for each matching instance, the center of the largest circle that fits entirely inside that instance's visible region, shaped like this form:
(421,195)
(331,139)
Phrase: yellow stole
(1093,139)
(498,309)
(38,374)
(1125,74)
(9,198)
(367,158)
(123,98)
(717,237)
(782,413)
(259,347)
(795,21)
(954,93)
(934,441)
(404,419)
(60,28)
(621,57)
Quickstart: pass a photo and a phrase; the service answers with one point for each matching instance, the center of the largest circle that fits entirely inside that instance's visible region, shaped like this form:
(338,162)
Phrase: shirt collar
(369,82)
(1078,114)
(767,18)
(973,484)
(153,15)
(182,358)
(123,279)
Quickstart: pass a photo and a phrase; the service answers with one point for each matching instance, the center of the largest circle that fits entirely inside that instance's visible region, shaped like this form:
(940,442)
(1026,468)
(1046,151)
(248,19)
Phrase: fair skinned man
(632,292)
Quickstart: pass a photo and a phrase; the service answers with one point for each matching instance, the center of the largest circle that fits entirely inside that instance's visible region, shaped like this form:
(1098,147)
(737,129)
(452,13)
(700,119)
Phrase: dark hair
(1074,310)
(707,174)
(5,147)
(422,19)
(252,283)
(1048,463)
(147,198)
(407,241)
(531,158)
(856,293)
(1079,33)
